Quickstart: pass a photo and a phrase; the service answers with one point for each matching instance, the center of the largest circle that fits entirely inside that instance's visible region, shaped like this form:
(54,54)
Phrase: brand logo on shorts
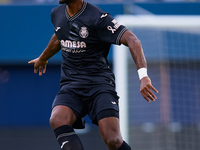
(113,102)
(84,32)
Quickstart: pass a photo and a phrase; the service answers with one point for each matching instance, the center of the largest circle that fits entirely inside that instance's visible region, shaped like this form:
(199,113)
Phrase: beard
(65,1)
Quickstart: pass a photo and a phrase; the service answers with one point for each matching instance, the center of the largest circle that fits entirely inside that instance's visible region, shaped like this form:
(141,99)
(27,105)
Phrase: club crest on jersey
(84,32)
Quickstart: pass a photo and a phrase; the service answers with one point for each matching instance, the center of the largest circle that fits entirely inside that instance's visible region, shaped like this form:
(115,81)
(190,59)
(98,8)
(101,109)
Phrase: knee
(113,143)
(56,121)
(52,121)
(61,115)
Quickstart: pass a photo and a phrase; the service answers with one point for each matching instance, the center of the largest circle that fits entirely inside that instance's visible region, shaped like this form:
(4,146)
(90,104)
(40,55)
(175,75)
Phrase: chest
(80,29)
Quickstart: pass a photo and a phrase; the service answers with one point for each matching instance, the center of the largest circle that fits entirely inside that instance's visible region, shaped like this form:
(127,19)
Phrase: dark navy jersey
(85,41)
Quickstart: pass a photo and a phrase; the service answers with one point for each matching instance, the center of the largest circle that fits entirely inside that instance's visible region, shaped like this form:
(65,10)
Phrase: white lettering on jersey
(73,50)
(115,27)
(73,44)
(78,51)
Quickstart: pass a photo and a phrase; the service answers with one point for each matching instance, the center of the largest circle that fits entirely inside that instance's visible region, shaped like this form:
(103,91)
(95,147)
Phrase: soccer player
(85,33)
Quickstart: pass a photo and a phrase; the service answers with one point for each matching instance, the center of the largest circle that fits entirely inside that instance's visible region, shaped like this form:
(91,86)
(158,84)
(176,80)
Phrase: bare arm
(52,48)
(135,47)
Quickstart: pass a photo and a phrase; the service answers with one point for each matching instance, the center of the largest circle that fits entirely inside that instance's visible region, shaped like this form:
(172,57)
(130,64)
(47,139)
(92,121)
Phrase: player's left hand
(39,65)
(145,89)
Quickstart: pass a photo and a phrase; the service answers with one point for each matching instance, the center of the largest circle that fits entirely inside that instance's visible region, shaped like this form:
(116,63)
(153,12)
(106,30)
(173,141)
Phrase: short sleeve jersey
(85,40)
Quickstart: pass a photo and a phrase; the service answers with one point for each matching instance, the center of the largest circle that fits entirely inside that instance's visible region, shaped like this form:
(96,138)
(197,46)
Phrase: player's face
(65,1)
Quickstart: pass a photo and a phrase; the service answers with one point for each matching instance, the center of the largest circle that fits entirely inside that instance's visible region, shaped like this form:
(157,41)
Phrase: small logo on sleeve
(57,28)
(115,27)
(104,15)
(111,29)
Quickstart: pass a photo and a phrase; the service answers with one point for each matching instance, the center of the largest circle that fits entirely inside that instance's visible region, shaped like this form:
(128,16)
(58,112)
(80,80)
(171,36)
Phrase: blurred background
(173,56)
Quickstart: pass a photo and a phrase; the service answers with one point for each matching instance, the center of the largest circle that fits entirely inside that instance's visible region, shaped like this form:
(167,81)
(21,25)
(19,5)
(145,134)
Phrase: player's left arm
(52,48)
(135,47)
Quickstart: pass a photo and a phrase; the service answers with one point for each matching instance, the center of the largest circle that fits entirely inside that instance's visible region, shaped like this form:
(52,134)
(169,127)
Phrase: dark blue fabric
(67,138)
(124,146)
(91,101)
(85,40)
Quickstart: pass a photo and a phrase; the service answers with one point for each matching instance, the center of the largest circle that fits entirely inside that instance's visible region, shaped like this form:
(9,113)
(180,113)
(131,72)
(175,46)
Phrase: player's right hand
(145,89)
(39,65)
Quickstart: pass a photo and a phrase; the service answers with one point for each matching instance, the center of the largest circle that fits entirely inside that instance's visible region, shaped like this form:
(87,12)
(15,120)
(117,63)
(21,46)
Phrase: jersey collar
(77,14)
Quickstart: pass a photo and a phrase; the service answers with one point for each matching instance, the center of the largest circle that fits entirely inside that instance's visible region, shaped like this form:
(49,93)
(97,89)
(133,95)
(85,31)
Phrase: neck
(74,7)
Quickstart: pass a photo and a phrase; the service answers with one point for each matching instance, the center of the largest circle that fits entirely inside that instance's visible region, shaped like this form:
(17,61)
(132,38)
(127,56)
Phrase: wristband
(142,72)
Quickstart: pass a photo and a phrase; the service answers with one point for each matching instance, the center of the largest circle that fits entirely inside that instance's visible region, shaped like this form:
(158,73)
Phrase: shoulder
(95,11)
(56,12)
(59,8)
(94,8)
(95,14)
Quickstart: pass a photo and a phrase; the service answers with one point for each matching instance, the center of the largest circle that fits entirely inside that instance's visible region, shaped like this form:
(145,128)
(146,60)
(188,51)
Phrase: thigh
(110,130)
(70,98)
(104,100)
(62,115)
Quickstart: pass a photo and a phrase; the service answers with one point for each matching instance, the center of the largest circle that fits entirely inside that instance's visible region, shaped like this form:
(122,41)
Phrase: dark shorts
(96,102)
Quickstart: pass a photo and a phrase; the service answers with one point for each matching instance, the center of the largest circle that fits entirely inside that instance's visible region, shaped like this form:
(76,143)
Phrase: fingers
(151,95)
(39,65)
(42,70)
(35,70)
(154,89)
(31,62)
(148,94)
(146,98)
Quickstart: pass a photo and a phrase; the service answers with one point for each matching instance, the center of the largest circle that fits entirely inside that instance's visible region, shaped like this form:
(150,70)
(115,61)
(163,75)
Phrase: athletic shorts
(96,102)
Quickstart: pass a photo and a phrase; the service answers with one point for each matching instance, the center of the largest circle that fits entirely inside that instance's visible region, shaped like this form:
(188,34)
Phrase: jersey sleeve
(52,15)
(109,30)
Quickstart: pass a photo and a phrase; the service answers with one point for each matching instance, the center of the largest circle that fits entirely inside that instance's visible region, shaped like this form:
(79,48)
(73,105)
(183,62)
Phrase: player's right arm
(52,48)
(129,39)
